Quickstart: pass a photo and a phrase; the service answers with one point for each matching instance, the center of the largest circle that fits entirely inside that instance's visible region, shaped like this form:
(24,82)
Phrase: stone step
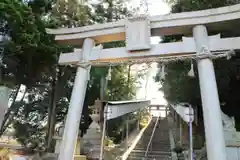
(160,142)
(159,145)
(137,158)
(157,157)
(154,147)
(160,148)
(149,157)
(150,152)
(50,156)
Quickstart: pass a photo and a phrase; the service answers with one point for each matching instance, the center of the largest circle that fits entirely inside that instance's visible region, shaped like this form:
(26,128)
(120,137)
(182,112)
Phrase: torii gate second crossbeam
(137,32)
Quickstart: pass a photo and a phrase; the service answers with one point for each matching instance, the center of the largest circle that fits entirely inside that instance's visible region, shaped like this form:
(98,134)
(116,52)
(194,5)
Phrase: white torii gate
(137,32)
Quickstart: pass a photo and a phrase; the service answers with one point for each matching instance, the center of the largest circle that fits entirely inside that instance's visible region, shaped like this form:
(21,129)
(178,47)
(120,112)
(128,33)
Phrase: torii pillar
(76,106)
(210,101)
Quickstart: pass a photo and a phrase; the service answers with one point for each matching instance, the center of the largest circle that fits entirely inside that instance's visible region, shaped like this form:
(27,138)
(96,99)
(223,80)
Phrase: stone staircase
(159,149)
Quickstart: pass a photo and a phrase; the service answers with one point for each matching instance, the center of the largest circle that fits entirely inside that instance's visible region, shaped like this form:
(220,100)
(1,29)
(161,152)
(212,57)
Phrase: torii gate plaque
(172,24)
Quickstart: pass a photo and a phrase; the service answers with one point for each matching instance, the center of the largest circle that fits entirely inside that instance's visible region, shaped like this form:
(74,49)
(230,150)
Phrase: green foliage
(178,87)
(193,5)
(108,142)
(69,14)
(116,128)
(31,51)
(110,10)
(144,118)
(178,149)
(120,87)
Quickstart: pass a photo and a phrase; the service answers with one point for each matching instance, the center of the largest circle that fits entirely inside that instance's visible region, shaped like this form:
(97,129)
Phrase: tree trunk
(129,70)
(128,80)
(1,75)
(103,83)
(52,113)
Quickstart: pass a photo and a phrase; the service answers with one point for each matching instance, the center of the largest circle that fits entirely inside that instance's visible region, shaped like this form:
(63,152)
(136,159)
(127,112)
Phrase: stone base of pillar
(78,147)
(232,140)
(80,157)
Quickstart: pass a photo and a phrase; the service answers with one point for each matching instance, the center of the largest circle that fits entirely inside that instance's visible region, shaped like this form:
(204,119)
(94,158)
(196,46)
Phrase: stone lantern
(58,137)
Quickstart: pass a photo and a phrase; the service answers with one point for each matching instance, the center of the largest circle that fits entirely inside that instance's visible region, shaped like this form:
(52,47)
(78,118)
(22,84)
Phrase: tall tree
(192,5)
(31,61)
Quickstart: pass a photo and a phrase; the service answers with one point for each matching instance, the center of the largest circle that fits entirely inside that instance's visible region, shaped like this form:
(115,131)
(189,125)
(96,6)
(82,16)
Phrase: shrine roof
(217,19)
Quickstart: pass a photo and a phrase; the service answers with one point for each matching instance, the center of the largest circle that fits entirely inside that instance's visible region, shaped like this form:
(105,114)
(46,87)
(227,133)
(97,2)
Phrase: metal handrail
(149,143)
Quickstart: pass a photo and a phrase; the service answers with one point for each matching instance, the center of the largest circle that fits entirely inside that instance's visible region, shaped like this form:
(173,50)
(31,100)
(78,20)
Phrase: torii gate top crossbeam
(170,24)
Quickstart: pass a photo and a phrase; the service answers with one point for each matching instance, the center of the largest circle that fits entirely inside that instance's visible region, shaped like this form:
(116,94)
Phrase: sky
(155,7)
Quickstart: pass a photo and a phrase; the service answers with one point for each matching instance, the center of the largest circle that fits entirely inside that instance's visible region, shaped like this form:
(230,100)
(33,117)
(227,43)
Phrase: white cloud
(155,7)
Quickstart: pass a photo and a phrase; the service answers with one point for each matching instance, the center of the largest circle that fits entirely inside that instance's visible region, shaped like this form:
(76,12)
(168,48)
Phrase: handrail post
(149,143)
(103,132)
